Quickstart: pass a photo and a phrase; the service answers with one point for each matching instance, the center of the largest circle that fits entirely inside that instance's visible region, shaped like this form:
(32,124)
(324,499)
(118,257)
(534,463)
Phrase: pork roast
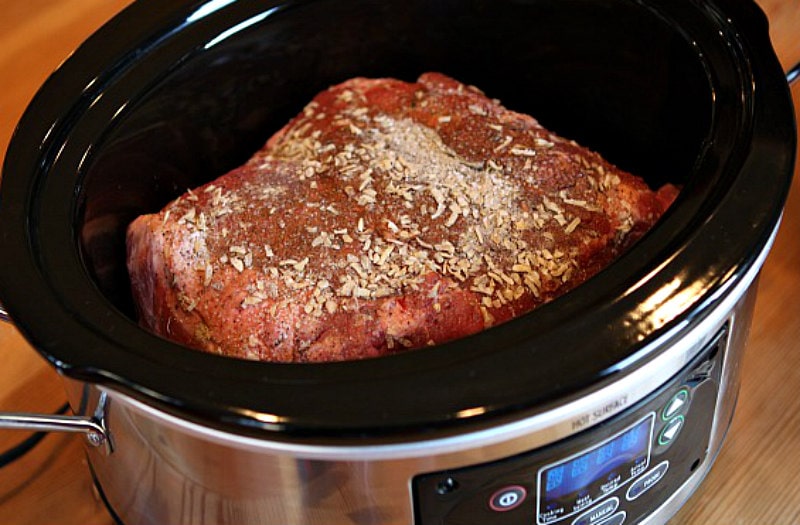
(386,216)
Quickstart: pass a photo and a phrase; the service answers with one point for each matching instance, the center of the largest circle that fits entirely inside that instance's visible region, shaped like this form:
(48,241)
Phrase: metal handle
(52,423)
(791,76)
(93,427)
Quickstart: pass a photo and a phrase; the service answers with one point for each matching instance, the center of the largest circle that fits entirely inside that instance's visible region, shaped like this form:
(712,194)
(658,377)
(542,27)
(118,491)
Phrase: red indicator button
(508,498)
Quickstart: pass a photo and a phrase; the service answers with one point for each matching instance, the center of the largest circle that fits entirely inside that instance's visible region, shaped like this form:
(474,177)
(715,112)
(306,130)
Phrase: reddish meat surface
(386,216)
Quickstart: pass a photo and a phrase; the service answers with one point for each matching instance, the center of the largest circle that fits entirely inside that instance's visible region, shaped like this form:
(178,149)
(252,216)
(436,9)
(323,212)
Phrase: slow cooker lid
(724,216)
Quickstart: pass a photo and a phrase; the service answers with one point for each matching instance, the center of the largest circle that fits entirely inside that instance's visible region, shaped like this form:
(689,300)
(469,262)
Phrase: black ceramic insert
(165,98)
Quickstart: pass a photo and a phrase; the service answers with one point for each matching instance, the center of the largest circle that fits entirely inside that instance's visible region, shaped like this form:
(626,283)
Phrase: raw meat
(386,216)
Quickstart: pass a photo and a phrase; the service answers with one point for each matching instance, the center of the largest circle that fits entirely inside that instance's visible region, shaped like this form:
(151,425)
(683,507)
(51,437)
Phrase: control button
(675,404)
(507,498)
(670,431)
(598,513)
(648,479)
(616,519)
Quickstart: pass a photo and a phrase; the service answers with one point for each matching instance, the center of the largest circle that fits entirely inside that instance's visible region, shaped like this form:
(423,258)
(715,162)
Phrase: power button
(508,498)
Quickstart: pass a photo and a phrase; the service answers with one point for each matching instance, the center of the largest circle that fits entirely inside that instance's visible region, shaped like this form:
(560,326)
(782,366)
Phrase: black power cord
(25,446)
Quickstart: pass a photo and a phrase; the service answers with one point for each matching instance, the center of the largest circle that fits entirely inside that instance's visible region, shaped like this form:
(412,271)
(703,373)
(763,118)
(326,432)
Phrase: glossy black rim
(723,219)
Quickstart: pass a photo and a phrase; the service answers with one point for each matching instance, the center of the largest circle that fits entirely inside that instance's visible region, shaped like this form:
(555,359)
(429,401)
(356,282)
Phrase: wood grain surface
(756,479)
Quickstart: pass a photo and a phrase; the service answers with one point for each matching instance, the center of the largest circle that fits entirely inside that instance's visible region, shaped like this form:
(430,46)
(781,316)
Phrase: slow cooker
(607,405)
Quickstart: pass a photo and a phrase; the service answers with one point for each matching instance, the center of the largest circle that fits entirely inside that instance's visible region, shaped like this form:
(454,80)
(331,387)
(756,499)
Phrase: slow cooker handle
(93,427)
(791,76)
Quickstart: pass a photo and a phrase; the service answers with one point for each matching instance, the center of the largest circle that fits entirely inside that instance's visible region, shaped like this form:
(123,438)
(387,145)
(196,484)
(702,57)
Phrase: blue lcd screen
(575,483)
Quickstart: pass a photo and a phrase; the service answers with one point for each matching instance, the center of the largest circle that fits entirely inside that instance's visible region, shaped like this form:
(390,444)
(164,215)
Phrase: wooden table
(756,479)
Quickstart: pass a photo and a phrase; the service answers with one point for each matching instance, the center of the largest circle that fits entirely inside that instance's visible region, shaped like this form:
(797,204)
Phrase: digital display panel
(573,484)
